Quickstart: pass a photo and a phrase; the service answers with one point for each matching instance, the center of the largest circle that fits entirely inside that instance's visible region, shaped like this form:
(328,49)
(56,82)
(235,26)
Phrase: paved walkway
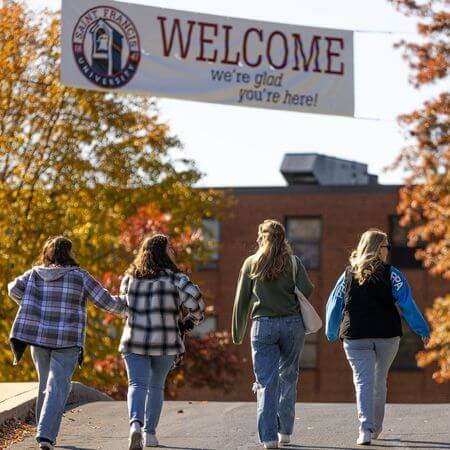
(16,399)
(13,391)
(231,426)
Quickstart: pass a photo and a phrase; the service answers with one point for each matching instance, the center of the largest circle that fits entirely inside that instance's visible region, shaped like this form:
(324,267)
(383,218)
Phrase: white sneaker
(284,438)
(135,439)
(45,446)
(375,434)
(270,444)
(151,440)
(364,437)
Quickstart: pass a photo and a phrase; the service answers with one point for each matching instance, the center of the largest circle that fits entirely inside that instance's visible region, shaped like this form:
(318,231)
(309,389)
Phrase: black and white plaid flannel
(154,308)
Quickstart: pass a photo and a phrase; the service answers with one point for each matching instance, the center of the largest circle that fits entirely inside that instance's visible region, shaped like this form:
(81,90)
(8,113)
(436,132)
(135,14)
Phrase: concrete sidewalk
(231,426)
(18,399)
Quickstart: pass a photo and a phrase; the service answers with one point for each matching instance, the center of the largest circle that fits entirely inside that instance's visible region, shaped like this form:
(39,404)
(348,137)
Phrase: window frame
(411,368)
(319,242)
(315,337)
(315,345)
(214,261)
(412,263)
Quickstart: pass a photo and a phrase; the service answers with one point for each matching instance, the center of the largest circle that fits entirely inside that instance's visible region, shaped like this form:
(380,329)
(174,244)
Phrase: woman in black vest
(363,309)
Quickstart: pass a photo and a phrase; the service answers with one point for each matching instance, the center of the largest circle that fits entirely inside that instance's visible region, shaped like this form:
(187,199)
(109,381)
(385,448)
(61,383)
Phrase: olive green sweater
(266,298)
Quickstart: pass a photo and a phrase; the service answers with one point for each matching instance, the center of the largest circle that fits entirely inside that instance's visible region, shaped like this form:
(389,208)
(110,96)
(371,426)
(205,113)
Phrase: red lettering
(314,49)
(331,54)
(204,40)
(225,59)
(184,46)
(244,52)
(269,50)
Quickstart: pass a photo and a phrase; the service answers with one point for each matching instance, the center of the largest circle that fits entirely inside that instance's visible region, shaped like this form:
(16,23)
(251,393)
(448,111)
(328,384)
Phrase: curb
(20,407)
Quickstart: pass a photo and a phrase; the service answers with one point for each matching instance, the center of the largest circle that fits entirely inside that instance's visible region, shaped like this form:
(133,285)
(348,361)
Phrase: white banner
(167,53)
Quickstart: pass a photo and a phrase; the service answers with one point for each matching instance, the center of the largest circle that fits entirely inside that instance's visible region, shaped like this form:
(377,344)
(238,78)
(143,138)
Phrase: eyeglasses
(388,246)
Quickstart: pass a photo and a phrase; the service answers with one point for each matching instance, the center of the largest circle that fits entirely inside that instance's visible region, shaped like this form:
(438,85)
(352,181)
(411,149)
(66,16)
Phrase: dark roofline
(309,189)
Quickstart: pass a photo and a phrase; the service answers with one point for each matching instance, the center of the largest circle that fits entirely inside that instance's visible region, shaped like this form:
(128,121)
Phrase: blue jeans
(370,360)
(146,378)
(55,369)
(277,344)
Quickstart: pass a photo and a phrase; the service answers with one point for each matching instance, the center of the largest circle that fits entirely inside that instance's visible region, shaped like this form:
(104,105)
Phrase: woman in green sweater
(265,291)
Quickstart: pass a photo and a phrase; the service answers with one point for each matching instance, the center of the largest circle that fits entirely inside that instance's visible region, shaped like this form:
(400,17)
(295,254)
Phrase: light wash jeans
(277,344)
(55,369)
(146,378)
(370,360)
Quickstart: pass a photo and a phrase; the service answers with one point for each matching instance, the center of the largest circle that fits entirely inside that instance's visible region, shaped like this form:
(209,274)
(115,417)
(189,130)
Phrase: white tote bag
(311,319)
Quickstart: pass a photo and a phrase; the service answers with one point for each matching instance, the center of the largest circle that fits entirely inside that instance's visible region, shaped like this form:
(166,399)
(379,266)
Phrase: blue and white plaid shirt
(52,305)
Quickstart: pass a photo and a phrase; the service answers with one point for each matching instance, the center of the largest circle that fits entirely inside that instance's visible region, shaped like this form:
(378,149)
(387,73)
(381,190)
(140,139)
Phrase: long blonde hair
(365,260)
(274,253)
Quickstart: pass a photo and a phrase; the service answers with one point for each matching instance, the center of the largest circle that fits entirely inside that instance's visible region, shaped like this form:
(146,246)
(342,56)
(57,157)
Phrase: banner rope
(385,32)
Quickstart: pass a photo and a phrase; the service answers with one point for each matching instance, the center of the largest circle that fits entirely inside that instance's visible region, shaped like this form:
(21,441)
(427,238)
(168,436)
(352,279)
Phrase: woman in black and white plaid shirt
(156,292)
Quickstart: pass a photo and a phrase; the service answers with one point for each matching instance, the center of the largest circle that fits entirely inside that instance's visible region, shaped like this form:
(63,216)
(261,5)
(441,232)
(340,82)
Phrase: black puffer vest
(369,309)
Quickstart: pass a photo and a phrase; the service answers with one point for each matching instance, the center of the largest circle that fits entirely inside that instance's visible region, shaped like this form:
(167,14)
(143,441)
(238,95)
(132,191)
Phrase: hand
(425,340)
(186,326)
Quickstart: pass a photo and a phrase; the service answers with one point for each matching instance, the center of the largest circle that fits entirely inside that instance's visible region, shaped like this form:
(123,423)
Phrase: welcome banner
(124,47)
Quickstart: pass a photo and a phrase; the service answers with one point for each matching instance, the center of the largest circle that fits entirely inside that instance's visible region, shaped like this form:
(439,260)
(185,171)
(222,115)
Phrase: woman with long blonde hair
(265,291)
(362,311)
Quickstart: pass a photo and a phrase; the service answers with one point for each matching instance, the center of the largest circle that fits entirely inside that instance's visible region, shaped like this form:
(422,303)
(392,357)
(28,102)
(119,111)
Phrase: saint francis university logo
(106,47)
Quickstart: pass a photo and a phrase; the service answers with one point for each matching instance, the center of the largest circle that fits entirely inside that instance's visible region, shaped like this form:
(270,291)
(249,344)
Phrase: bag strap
(348,281)
(294,270)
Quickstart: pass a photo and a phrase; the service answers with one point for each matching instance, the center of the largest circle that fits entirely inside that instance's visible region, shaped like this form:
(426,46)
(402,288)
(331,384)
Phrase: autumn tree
(425,200)
(78,163)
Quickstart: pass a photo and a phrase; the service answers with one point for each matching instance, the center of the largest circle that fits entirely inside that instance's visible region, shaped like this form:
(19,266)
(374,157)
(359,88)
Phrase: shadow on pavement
(72,447)
(425,445)
(185,448)
(386,443)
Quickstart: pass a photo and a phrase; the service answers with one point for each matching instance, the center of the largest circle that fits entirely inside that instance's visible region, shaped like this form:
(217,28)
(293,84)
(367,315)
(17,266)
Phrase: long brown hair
(57,251)
(365,259)
(152,258)
(274,253)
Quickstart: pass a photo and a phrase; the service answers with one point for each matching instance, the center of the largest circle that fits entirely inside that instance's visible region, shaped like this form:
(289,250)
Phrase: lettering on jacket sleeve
(397,280)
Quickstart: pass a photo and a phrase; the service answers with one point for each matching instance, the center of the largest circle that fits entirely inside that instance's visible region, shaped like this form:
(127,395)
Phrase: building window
(212,237)
(401,255)
(206,327)
(410,344)
(309,355)
(304,236)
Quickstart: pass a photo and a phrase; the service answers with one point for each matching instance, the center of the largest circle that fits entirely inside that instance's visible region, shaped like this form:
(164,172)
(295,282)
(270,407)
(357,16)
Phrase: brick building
(326,205)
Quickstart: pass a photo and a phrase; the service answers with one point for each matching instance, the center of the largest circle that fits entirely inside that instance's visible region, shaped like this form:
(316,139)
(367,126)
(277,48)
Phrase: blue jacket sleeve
(402,294)
(335,306)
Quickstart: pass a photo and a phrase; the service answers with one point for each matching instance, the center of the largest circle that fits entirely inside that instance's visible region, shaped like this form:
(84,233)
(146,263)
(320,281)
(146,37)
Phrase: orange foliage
(425,200)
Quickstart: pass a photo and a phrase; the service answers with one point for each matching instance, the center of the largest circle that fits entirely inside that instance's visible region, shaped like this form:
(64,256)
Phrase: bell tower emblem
(106,47)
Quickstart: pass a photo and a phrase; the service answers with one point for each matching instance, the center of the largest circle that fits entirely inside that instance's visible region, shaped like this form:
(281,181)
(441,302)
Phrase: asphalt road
(231,426)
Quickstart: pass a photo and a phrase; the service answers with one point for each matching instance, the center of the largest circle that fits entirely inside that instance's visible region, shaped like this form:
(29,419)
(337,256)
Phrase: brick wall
(345,212)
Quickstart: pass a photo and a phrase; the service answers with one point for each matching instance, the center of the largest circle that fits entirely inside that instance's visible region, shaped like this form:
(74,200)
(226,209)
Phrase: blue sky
(237,146)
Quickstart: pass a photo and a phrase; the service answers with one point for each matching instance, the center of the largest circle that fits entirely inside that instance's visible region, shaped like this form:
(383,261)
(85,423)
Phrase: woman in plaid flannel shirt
(52,299)
(157,295)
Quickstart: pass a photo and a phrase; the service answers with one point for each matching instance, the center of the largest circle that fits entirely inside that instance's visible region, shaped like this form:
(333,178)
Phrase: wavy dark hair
(152,258)
(57,251)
